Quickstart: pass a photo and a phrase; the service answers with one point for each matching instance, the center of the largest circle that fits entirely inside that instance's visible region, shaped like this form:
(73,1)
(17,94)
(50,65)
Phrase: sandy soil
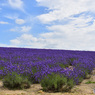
(36,89)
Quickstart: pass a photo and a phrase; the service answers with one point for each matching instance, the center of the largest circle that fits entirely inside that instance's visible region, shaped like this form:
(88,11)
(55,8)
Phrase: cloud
(21,29)
(6,45)
(16,4)
(61,9)
(3,22)
(25,28)
(2,45)
(71,23)
(15,42)
(14,30)
(19,21)
(75,35)
(11,16)
(26,40)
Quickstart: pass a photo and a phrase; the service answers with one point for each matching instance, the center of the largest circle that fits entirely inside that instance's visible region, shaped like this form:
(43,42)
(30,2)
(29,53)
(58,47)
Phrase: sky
(48,24)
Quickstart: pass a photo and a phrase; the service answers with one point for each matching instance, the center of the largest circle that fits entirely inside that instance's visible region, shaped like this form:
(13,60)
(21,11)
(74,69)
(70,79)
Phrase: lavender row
(38,63)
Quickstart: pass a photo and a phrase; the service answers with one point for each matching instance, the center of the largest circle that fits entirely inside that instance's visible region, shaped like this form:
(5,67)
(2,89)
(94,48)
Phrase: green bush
(15,81)
(63,66)
(70,84)
(89,82)
(1,67)
(80,79)
(56,83)
(31,79)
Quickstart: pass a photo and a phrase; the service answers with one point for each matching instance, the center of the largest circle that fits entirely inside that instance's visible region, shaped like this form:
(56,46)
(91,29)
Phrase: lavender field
(36,64)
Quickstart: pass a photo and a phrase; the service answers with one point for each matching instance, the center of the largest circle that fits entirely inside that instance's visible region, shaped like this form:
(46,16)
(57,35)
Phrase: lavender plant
(15,81)
(35,64)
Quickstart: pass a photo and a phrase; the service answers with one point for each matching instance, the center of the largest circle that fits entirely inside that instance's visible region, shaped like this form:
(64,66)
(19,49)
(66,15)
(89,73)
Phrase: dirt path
(35,89)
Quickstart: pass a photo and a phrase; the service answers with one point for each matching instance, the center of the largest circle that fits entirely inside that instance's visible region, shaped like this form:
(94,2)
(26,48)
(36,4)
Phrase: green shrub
(89,82)
(15,81)
(31,79)
(56,83)
(71,60)
(80,79)
(1,67)
(70,84)
(63,65)
(86,74)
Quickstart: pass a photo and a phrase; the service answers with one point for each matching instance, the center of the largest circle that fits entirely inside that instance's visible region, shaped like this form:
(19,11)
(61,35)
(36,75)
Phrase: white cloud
(3,22)
(13,30)
(25,28)
(17,4)
(15,42)
(60,9)
(71,39)
(76,34)
(15,16)
(6,45)
(26,40)
(19,21)
(2,45)
(21,29)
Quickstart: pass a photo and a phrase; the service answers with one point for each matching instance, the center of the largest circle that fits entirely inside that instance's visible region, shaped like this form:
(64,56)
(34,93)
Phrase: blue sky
(52,24)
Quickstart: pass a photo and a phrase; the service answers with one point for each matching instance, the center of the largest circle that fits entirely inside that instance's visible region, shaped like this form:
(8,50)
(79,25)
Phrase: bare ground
(36,89)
